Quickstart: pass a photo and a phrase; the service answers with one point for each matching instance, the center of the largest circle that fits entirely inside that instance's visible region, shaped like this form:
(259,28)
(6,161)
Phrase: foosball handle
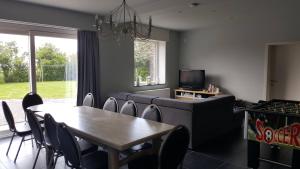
(296,159)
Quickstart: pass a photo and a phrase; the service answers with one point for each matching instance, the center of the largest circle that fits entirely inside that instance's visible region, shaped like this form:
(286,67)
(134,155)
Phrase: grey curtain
(88,66)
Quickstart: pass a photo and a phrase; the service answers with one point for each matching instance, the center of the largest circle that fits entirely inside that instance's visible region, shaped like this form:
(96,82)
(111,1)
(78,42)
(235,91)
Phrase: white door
(285,72)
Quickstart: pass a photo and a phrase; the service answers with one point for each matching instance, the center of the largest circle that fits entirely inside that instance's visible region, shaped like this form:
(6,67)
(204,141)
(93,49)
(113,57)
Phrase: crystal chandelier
(123,22)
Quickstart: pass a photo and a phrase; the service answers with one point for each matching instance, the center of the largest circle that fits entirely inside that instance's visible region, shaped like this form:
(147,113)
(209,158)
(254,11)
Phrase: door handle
(274,81)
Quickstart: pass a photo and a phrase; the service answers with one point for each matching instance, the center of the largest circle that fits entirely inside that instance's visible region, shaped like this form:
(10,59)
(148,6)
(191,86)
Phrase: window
(56,68)
(149,62)
(38,61)
(14,69)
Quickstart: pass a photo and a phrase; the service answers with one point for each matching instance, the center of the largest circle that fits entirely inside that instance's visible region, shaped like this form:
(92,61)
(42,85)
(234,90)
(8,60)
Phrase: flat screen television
(192,79)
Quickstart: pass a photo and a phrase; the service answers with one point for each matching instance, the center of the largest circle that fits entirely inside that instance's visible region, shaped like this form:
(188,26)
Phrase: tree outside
(13,68)
(143,56)
(51,63)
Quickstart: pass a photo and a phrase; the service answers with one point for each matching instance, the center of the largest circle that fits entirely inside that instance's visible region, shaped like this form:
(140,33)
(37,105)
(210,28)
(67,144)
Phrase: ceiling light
(123,22)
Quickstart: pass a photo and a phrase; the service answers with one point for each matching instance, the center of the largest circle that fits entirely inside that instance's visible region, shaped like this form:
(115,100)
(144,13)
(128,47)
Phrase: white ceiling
(177,14)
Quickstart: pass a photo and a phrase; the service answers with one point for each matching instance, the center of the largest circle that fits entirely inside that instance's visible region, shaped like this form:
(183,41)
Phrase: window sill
(150,85)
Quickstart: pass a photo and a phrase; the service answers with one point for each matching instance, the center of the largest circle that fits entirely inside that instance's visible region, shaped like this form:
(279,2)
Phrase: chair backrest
(51,130)
(88,100)
(35,127)
(31,99)
(8,116)
(152,112)
(174,148)
(69,146)
(111,104)
(129,108)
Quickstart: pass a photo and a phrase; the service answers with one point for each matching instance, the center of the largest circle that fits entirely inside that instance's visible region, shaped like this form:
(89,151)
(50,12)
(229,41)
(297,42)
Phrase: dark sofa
(206,119)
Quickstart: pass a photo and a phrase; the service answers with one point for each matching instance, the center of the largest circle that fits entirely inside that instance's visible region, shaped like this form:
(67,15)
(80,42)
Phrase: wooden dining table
(114,131)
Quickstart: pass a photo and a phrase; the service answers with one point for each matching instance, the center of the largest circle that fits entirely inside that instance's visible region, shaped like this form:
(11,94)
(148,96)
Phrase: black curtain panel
(88,66)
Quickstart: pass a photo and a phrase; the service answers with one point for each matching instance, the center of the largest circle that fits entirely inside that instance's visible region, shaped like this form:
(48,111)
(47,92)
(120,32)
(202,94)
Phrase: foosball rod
(274,162)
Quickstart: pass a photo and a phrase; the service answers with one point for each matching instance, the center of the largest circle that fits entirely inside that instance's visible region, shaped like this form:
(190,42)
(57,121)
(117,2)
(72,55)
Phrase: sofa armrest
(212,118)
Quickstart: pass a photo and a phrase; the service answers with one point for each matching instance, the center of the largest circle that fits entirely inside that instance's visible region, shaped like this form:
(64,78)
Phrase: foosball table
(277,123)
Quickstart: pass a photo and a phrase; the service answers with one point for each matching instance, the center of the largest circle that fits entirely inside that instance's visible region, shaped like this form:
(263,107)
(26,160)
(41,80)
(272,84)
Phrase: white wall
(233,54)
(284,72)
(13,10)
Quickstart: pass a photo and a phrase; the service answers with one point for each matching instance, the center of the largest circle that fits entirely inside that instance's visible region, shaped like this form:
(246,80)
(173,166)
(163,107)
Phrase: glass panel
(56,69)
(149,60)
(14,79)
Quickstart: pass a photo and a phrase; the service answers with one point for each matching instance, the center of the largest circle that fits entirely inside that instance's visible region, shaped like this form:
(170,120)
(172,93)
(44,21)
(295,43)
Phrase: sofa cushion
(120,95)
(140,98)
(175,103)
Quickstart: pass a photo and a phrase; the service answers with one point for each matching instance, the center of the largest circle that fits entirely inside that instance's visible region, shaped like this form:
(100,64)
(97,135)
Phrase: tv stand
(184,94)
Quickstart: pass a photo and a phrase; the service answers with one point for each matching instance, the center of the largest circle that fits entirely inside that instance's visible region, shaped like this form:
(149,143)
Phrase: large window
(150,62)
(56,68)
(42,61)
(14,69)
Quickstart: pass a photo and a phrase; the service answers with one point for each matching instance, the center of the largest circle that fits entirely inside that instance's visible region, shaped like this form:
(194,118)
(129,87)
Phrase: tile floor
(229,152)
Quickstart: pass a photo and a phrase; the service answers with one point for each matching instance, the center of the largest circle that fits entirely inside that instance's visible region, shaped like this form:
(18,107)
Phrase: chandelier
(123,22)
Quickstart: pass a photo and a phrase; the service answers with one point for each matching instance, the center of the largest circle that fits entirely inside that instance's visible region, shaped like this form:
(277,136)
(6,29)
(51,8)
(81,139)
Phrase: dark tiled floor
(232,151)
(229,152)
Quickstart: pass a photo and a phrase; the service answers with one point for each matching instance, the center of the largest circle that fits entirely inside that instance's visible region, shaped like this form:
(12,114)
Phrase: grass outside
(49,90)
(1,78)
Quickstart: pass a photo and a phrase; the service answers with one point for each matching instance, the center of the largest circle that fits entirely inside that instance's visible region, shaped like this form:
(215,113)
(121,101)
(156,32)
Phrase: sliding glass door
(56,68)
(39,61)
(14,69)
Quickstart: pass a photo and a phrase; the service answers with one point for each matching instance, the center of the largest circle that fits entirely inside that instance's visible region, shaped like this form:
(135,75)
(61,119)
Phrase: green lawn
(49,90)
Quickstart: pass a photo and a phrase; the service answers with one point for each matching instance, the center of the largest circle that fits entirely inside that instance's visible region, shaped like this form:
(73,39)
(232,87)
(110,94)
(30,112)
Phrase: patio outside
(52,91)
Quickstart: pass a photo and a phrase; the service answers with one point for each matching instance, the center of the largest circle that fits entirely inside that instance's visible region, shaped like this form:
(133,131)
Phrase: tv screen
(192,79)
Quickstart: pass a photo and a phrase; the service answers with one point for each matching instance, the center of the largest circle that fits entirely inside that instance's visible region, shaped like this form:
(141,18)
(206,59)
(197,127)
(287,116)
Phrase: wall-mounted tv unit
(192,79)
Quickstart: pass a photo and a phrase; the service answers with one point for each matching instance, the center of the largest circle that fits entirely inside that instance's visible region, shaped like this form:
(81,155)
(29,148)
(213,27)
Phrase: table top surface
(103,127)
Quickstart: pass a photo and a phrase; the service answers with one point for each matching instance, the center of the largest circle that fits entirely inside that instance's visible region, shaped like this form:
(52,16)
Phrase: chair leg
(55,161)
(19,149)
(36,158)
(31,140)
(10,143)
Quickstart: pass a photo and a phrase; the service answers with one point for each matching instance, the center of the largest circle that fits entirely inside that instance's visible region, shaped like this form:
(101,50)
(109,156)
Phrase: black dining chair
(50,126)
(88,100)
(37,133)
(152,112)
(129,108)
(53,142)
(31,99)
(171,153)
(22,130)
(73,157)
(111,104)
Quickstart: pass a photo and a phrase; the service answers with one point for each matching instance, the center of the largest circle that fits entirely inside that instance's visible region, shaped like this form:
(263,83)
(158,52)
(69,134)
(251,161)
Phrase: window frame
(31,30)
(160,52)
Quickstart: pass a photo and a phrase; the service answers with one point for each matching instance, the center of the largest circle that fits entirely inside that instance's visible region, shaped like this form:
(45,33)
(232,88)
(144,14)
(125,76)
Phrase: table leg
(246,125)
(49,157)
(156,145)
(113,158)
(296,159)
(253,154)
